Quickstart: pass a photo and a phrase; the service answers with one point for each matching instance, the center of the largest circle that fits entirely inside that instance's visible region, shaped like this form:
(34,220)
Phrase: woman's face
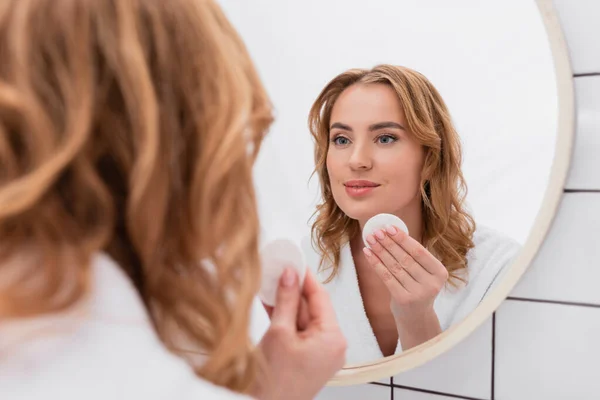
(374,163)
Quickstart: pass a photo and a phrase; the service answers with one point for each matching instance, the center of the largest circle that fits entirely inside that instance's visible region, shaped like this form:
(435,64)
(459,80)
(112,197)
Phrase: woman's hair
(130,127)
(448,228)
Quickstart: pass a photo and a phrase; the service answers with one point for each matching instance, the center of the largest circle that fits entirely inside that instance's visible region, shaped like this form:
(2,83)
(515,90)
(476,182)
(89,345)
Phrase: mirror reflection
(385,143)
(441,115)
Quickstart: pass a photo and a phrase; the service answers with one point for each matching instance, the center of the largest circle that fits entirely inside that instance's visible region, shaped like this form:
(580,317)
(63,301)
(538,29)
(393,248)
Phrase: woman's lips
(357,188)
(356,191)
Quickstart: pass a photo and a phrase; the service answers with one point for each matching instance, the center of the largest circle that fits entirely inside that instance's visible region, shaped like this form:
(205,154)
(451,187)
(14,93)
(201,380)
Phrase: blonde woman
(385,143)
(128,223)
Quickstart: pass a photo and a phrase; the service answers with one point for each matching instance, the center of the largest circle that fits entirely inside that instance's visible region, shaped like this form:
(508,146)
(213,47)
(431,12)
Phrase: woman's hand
(303,316)
(300,361)
(414,278)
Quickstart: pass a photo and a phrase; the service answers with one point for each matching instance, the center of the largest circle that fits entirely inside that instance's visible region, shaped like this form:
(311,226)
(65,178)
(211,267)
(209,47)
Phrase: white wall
(499,88)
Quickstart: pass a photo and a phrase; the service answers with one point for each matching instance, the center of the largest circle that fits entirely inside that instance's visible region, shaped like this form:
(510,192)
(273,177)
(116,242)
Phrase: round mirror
(456,117)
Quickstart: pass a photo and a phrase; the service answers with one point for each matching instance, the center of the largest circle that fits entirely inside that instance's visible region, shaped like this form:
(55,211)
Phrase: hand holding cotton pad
(276,256)
(381,221)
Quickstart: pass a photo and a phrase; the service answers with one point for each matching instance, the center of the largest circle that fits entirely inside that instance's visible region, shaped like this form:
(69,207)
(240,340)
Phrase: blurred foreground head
(130,127)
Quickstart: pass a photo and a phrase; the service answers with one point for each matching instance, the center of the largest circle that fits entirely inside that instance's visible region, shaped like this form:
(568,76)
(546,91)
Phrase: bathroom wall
(544,341)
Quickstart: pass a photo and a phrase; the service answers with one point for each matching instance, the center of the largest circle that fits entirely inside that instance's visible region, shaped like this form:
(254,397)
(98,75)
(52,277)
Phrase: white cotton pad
(381,221)
(276,256)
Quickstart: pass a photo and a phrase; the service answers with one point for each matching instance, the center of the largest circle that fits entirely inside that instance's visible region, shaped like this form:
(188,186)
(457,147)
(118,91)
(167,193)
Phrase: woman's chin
(363,216)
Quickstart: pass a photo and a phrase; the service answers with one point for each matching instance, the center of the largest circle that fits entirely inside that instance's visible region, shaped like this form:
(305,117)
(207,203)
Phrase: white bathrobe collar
(491,256)
(357,329)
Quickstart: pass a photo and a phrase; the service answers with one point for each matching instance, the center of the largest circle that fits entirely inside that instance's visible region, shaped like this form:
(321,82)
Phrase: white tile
(566,267)
(465,370)
(547,351)
(585,164)
(405,394)
(355,392)
(579,19)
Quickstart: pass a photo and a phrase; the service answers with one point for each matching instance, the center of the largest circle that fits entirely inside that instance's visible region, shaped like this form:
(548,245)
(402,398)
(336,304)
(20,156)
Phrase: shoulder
(487,262)
(105,348)
(491,256)
(492,245)
(485,234)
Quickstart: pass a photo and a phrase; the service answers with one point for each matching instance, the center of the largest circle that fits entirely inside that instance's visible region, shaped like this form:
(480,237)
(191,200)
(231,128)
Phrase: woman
(385,143)
(128,223)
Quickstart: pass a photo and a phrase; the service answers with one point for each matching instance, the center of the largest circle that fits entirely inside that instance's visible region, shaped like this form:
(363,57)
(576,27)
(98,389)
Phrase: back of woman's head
(130,127)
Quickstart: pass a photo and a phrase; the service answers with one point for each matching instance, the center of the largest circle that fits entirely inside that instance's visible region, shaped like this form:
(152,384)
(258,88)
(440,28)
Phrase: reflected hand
(414,278)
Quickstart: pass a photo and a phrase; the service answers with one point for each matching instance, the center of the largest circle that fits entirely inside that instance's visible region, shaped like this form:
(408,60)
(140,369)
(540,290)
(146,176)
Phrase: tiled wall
(544,340)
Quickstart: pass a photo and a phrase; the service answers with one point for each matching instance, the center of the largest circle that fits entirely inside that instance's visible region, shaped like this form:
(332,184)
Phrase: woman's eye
(386,139)
(341,141)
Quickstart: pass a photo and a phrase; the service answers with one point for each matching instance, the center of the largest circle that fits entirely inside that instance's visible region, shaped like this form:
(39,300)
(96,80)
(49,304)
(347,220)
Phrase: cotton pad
(381,221)
(276,256)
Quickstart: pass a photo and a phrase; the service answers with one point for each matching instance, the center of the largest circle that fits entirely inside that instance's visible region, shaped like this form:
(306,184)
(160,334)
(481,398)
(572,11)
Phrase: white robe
(104,348)
(486,262)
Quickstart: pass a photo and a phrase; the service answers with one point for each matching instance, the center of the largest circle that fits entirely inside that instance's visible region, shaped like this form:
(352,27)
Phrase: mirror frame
(353,374)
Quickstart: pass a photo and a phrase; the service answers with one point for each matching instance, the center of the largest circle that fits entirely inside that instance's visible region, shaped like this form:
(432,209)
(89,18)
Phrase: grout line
(379,384)
(493,356)
(586,74)
(563,303)
(392,387)
(581,190)
(454,396)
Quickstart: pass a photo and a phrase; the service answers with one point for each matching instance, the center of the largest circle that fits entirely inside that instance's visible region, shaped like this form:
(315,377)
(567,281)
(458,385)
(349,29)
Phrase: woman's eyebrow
(339,125)
(373,127)
(387,124)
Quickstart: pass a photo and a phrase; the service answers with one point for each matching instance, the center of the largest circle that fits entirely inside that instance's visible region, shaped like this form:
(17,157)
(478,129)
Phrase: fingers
(268,309)
(285,312)
(415,268)
(394,285)
(397,261)
(402,258)
(303,315)
(418,253)
(319,307)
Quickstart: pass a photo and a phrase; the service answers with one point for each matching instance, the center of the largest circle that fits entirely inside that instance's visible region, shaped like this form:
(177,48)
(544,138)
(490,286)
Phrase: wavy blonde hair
(130,127)
(448,227)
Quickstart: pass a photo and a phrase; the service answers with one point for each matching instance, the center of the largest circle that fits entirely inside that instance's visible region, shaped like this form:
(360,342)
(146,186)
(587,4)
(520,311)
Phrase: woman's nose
(360,159)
